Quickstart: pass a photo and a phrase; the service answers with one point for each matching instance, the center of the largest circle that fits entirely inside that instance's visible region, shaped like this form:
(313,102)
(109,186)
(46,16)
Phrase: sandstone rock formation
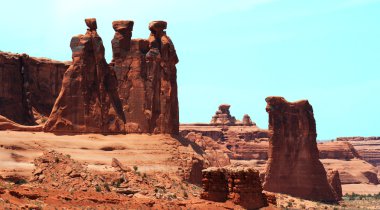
(6,124)
(215,153)
(89,88)
(334,181)
(337,150)
(145,69)
(368,147)
(247,120)
(293,165)
(223,116)
(28,84)
(241,185)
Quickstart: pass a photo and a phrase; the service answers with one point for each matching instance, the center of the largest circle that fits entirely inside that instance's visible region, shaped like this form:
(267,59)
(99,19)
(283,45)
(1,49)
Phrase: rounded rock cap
(122,24)
(91,23)
(158,25)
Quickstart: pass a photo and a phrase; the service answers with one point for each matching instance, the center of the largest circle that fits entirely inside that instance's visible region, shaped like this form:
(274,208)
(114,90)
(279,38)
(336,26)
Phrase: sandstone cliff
(28,84)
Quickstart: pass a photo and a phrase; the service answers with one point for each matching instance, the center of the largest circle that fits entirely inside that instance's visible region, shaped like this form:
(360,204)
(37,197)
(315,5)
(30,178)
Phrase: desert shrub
(97,188)
(135,168)
(107,187)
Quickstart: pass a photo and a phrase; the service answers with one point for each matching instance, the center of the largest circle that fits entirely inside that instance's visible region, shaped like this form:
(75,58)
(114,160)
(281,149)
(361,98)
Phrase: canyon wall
(28,85)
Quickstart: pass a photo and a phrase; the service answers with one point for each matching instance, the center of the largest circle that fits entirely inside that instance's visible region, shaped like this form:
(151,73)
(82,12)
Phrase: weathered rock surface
(293,164)
(6,124)
(223,116)
(334,181)
(145,69)
(368,148)
(247,120)
(215,153)
(354,171)
(337,150)
(241,185)
(89,88)
(28,84)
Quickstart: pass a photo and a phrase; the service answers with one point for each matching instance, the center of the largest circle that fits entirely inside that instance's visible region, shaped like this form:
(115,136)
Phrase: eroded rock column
(293,165)
(89,88)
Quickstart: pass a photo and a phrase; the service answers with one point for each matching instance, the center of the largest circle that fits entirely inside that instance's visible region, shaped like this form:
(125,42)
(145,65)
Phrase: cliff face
(89,88)
(293,165)
(28,83)
(147,77)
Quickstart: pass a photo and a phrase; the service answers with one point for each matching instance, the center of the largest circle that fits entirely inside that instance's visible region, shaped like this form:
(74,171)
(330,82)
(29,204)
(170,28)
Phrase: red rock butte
(293,164)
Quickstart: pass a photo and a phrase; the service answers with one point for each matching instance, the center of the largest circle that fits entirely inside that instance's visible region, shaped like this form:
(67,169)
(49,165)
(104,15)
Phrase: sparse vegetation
(135,168)
(97,188)
(107,187)
(354,196)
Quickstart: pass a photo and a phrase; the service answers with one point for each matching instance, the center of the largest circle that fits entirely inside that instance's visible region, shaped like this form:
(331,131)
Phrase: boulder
(240,185)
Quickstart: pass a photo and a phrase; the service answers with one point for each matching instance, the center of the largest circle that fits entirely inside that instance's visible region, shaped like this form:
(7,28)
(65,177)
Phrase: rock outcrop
(368,148)
(215,153)
(223,116)
(89,88)
(145,69)
(6,124)
(337,150)
(247,120)
(334,181)
(293,165)
(28,85)
(240,185)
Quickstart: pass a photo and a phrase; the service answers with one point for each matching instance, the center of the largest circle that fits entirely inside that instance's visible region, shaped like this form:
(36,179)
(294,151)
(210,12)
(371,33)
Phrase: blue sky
(235,51)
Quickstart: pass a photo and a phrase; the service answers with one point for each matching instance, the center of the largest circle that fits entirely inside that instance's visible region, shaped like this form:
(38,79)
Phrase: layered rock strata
(368,148)
(240,185)
(145,69)
(293,165)
(89,88)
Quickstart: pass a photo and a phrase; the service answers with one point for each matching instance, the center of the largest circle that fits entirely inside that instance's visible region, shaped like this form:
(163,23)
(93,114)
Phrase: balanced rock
(89,88)
(293,165)
(223,116)
(240,185)
(145,69)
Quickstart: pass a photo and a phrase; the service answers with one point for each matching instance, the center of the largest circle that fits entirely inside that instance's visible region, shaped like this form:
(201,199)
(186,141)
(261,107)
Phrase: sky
(235,51)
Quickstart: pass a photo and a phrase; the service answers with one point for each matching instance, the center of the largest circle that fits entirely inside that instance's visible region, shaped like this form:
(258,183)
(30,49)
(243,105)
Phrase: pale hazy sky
(235,51)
